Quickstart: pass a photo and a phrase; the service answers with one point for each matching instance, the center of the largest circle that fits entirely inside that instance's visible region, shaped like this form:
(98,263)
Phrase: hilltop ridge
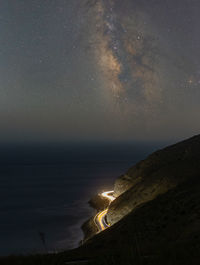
(158,173)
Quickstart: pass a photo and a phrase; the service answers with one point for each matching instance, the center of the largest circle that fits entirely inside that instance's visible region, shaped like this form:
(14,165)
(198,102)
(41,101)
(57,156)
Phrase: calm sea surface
(44,190)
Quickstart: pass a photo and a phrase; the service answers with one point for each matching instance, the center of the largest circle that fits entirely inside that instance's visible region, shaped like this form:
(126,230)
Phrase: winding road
(100,218)
(100,222)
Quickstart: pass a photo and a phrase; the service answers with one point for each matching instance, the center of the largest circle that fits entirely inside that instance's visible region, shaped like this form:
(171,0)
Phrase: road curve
(100,218)
(108,195)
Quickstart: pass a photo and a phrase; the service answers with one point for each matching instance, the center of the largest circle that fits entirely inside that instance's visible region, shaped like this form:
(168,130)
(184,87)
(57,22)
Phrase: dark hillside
(160,172)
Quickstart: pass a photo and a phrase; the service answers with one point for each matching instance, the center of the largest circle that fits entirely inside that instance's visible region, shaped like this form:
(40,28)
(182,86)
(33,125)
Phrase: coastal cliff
(156,213)
(158,173)
(155,218)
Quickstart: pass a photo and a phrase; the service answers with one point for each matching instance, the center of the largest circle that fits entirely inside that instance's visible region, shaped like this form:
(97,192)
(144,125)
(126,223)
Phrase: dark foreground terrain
(155,217)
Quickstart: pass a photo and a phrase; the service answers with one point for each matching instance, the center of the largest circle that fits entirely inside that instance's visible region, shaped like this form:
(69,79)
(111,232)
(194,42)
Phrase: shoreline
(97,223)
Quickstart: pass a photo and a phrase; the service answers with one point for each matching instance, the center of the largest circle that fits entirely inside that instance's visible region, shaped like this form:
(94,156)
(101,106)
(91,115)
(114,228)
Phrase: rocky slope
(165,230)
(99,203)
(158,173)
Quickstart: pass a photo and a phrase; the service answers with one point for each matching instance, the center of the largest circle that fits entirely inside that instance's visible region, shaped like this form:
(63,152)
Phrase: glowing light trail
(99,219)
(108,194)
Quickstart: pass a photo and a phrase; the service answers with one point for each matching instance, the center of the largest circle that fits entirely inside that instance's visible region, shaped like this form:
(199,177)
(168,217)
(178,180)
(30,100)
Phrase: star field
(68,68)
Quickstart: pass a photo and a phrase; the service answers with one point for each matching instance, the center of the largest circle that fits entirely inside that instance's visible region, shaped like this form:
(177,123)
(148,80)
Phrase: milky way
(99,69)
(127,56)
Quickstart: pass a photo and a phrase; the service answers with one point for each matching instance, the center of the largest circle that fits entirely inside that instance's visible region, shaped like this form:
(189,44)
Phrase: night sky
(99,70)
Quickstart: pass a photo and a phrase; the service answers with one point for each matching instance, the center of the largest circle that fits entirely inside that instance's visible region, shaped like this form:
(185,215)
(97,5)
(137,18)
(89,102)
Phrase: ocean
(45,188)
